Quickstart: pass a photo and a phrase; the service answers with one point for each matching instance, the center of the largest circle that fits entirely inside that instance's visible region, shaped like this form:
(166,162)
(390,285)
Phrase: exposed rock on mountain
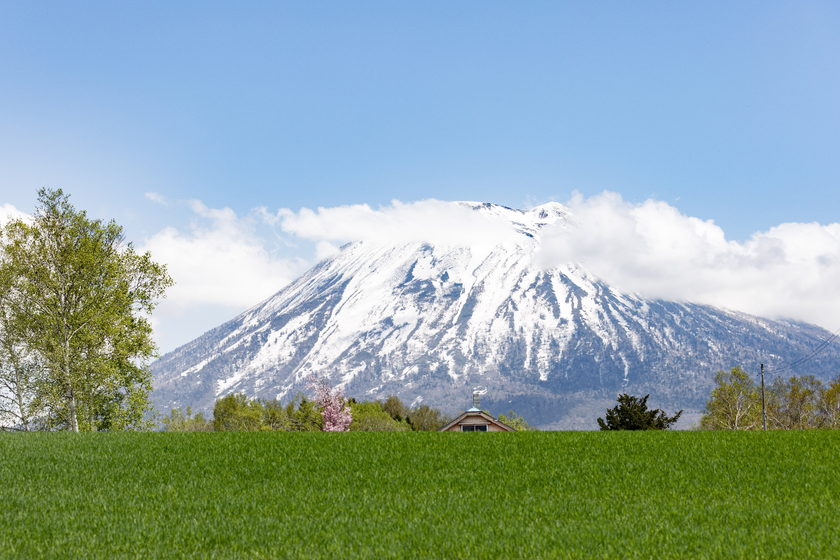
(429,322)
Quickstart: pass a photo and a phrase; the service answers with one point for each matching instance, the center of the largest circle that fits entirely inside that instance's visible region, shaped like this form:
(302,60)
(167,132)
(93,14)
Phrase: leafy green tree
(734,403)
(632,414)
(794,404)
(19,379)
(395,408)
(78,299)
(829,405)
(427,419)
(19,370)
(516,422)
(274,416)
(369,416)
(237,413)
(303,415)
(422,418)
(798,403)
(178,421)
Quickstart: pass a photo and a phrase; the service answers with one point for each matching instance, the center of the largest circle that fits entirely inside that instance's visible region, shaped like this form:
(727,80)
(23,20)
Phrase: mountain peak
(428,321)
(528,221)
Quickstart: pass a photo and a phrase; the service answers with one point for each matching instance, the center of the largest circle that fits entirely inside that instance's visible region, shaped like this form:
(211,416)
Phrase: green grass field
(421,495)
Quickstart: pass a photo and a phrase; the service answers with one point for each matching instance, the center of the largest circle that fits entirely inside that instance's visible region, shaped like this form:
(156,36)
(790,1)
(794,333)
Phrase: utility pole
(763,407)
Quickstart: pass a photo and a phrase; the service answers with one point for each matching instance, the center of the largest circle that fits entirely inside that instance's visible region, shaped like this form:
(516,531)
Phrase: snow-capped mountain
(431,321)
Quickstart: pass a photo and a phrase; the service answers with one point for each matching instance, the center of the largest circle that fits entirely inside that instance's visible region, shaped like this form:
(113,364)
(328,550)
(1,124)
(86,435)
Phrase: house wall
(455,428)
(476,420)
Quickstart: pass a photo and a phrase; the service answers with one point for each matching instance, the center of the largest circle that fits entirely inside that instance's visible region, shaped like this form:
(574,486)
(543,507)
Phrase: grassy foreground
(421,495)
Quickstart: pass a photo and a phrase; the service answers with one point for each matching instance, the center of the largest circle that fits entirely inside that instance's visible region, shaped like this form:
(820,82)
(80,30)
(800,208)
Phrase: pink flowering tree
(334,408)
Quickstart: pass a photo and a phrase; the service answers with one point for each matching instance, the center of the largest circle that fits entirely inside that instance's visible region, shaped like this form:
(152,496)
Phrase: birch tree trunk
(70,397)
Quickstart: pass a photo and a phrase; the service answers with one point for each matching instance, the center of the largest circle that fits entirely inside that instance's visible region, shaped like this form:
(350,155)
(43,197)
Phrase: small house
(475,420)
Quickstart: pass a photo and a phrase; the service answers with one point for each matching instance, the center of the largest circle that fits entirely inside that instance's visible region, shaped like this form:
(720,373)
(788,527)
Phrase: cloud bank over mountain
(649,248)
(223,262)
(791,271)
(430,221)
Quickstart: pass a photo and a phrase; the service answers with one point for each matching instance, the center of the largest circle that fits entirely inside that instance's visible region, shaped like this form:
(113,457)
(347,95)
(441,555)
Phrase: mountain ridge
(429,320)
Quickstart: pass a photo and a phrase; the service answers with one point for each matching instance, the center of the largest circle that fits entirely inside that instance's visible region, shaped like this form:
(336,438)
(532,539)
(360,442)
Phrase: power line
(810,356)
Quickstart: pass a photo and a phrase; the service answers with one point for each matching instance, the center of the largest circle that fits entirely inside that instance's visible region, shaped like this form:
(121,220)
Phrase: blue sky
(727,111)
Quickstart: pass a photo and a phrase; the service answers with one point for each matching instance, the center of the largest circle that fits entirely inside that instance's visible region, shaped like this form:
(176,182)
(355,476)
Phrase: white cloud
(325,250)
(221,260)
(9,213)
(792,270)
(431,221)
(155,197)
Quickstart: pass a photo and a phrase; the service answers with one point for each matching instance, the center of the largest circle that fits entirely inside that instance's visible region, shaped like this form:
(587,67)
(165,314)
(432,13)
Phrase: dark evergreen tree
(632,414)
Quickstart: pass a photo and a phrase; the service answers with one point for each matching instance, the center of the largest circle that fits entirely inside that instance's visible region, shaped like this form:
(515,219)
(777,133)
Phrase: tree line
(238,413)
(800,402)
(329,410)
